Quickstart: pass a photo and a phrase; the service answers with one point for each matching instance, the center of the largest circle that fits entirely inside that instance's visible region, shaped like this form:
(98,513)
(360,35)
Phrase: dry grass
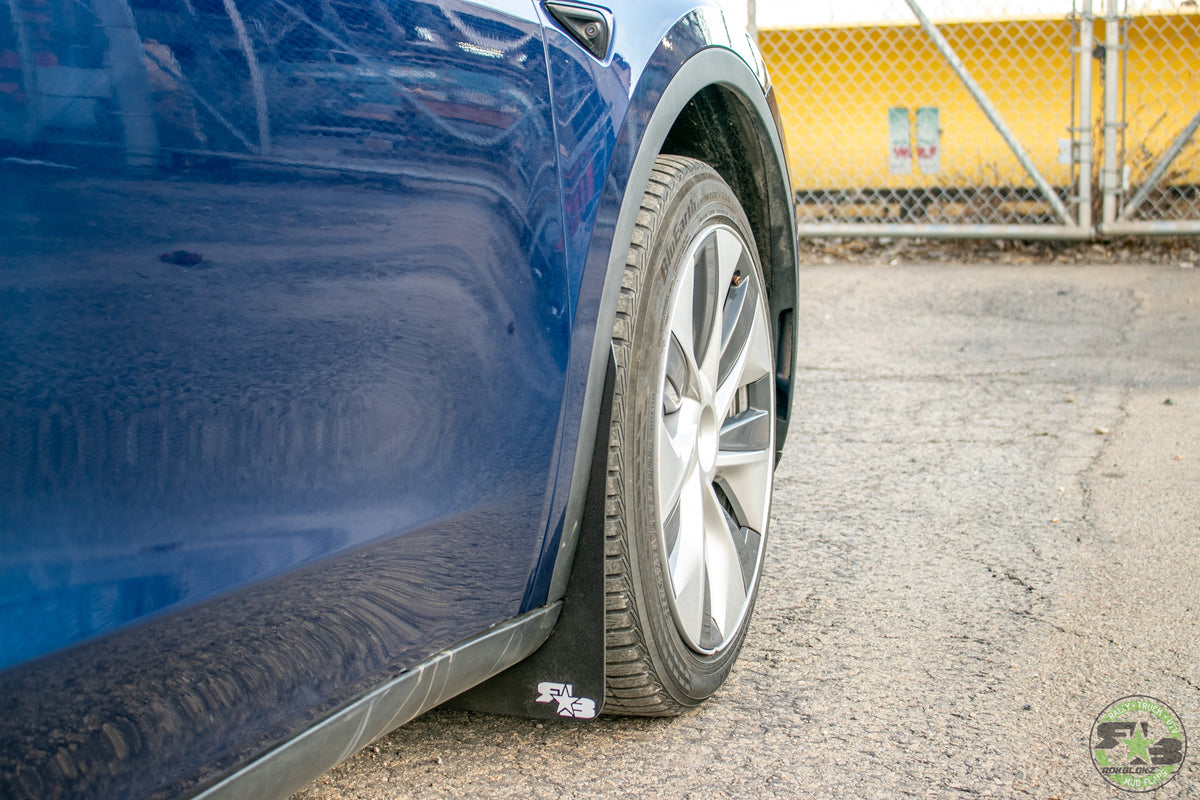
(1183,251)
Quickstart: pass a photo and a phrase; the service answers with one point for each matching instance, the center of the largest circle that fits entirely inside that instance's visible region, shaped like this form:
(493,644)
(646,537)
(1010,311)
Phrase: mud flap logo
(568,704)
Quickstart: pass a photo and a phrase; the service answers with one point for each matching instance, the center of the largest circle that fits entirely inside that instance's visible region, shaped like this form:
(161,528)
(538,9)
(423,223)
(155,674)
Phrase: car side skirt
(296,763)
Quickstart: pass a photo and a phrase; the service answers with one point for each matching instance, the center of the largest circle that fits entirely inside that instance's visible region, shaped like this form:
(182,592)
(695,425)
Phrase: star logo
(568,704)
(1138,746)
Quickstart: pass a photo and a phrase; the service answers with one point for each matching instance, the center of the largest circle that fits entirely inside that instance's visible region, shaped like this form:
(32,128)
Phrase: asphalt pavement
(986,529)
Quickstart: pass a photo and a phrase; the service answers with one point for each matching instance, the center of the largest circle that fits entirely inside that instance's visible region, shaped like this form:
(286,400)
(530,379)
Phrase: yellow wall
(835,86)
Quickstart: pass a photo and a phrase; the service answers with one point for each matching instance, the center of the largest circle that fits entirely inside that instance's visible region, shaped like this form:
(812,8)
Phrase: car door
(283,340)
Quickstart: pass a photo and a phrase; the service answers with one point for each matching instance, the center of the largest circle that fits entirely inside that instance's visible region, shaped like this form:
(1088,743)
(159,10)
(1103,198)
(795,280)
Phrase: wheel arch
(719,127)
(667,114)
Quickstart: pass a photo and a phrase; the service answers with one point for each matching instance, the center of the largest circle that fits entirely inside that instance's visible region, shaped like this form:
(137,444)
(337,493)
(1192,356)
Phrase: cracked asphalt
(986,528)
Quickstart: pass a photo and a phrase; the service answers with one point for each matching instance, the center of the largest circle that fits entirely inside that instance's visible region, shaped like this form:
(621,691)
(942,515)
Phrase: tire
(691,447)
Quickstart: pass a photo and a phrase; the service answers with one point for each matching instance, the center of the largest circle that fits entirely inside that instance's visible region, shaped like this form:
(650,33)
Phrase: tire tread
(633,686)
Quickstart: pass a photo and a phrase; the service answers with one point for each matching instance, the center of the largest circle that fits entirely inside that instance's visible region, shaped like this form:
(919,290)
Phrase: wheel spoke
(677,381)
(676,452)
(741,304)
(745,463)
(723,252)
(723,566)
(747,486)
(759,362)
(682,315)
(753,363)
(732,256)
(744,435)
(686,562)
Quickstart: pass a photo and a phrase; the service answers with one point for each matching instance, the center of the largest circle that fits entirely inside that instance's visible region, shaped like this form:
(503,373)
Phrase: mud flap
(564,678)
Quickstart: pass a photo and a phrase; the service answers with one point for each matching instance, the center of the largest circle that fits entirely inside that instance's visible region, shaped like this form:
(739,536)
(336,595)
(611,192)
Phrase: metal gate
(1014,118)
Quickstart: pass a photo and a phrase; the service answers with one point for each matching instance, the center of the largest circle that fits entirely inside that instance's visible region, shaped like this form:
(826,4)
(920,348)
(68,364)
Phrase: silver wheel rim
(715,439)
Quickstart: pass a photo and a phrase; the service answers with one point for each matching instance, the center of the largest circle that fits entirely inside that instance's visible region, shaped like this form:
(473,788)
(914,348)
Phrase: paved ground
(986,529)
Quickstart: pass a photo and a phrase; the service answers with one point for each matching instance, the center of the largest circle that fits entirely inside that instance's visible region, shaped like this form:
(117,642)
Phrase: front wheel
(691,447)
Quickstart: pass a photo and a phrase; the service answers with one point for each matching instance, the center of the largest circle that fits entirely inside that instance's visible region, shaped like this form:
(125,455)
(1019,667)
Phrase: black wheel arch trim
(709,67)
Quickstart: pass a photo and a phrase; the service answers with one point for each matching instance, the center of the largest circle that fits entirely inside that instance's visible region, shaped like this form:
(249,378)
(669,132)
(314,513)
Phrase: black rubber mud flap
(564,678)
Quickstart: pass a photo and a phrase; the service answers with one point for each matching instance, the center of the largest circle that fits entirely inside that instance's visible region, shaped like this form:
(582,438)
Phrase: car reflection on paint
(330,331)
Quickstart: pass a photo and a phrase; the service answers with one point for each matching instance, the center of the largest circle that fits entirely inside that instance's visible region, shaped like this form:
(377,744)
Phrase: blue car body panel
(297,354)
(318,379)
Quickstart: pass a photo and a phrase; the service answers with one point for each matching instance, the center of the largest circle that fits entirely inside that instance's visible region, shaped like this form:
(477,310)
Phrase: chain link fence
(1158,151)
(1035,118)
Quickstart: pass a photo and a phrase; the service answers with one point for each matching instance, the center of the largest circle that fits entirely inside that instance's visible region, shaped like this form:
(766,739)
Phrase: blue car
(361,355)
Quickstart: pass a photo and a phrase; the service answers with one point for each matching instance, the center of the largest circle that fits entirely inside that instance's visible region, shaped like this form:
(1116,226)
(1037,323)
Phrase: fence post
(1087,35)
(28,73)
(127,65)
(1110,175)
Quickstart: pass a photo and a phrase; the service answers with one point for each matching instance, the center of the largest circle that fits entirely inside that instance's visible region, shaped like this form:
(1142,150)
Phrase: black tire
(668,649)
